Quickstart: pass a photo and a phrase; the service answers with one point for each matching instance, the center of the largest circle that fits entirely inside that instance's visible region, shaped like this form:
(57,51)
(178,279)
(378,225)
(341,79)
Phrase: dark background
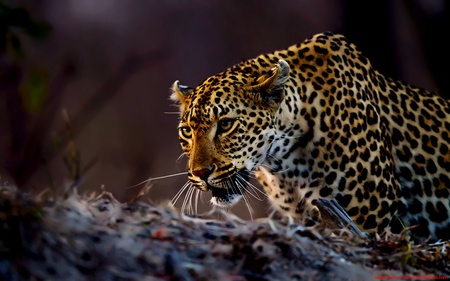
(111,64)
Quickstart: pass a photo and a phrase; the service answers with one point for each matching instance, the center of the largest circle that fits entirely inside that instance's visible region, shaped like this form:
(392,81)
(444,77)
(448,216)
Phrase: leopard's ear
(180,92)
(270,87)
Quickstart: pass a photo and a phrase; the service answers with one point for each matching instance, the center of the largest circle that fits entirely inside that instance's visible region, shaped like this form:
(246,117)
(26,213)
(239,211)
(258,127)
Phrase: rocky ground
(74,237)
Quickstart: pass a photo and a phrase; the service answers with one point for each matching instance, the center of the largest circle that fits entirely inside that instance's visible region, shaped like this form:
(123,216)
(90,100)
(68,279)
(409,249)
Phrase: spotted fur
(317,121)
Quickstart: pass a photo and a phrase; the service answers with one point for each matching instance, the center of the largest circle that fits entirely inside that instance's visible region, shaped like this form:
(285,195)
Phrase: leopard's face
(226,129)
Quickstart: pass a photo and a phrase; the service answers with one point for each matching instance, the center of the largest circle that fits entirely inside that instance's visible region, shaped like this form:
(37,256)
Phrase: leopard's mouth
(225,196)
(229,191)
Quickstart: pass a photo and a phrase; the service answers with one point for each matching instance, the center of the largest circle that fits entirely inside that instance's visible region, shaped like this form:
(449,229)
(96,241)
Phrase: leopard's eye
(225,125)
(185,132)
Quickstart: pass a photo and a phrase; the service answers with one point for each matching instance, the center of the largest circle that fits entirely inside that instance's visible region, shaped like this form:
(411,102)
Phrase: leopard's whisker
(181,156)
(192,201)
(158,178)
(252,190)
(196,197)
(281,137)
(265,165)
(230,185)
(185,207)
(243,186)
(277,161)
(203,197)
(269,167)
(242,191)
(190,209)
(255,192)
(280,171)
(177,196)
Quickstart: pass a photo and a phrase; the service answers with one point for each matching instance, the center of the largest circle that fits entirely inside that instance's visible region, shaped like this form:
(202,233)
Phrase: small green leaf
(37,29)
(33,90)
(14,47)
(56,140)
(20,18)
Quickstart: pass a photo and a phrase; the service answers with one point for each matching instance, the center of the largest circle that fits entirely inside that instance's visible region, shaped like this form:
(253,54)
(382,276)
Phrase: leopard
(318,121)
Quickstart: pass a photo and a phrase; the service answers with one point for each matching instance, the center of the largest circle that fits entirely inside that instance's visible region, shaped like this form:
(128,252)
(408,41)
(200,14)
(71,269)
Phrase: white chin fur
(229,201)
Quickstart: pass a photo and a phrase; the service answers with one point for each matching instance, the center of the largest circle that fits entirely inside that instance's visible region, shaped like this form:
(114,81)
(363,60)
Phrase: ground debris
(98,238)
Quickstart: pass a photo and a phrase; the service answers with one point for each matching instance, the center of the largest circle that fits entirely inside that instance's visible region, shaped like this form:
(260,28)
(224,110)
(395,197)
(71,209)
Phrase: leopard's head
(227,126)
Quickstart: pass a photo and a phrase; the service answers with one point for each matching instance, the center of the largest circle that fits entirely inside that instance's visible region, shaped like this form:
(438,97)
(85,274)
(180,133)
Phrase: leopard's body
(317,121)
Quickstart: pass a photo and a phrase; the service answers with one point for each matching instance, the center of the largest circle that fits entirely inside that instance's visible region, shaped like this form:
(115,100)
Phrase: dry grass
(95,237)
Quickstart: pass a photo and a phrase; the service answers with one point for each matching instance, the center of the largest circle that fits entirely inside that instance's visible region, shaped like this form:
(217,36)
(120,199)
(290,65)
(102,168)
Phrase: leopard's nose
(202,173)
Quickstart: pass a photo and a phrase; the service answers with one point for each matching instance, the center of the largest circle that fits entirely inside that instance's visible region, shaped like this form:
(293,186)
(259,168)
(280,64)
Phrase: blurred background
(109,64)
